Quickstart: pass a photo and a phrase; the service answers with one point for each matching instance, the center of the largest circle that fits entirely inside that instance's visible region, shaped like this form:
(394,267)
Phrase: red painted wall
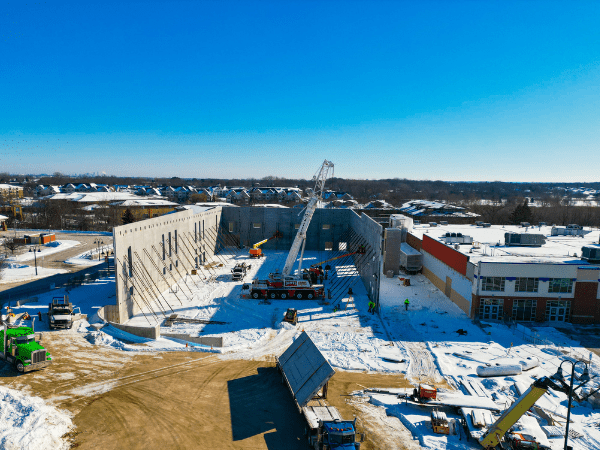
(413,241)
(446,254)
(585,302)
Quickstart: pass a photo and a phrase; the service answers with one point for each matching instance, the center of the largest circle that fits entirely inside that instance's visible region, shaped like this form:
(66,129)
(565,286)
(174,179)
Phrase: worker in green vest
(406,303)
(371,306)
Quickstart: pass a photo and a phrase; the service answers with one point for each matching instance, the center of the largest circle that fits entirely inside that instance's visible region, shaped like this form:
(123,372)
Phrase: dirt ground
(181,400)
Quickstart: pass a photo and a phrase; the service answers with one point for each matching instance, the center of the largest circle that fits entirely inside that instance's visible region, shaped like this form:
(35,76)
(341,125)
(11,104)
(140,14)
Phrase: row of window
(555,285)
(524,310)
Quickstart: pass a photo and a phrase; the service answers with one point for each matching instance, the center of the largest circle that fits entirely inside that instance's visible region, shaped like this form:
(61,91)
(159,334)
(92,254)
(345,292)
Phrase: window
(195,232)
(491,308)
(526,284)
(175,241)
(560,285)
(524,310)
(342,246)
(163,246)
(296,226)
(231,224)
(493,283)
(170,246)
(326,226)
(130,262)
(328,246)
(256,225)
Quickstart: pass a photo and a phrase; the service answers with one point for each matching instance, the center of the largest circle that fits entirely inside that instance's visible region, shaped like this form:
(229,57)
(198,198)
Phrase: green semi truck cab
(21,347)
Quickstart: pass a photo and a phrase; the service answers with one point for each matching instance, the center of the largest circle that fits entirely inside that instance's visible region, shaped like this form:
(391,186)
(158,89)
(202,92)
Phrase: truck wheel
(255,295)
(283,296)
(299,295)
(273,295)
(20,367)
(309,296)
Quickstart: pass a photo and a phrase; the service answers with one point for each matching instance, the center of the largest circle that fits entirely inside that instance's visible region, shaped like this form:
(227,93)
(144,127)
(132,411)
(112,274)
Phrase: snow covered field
(31,423)
(421,343)
(22,272)
(47,249)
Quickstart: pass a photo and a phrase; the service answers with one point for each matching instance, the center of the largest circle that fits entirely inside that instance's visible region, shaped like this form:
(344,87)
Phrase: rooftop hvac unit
(524,239)
(541,224)
(486,225)
(433,224)
(525,224)
(479,223)
(457,238)
(443,222)
(574,226)
(590,253)
(569,231)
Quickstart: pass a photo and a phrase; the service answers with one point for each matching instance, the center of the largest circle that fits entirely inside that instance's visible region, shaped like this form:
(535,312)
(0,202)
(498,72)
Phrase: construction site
(272,328)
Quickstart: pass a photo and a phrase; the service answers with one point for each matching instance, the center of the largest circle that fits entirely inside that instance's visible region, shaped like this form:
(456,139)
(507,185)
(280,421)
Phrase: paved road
(59,280)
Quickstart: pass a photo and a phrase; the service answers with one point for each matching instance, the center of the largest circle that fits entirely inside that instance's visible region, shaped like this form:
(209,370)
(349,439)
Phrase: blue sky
(451,90)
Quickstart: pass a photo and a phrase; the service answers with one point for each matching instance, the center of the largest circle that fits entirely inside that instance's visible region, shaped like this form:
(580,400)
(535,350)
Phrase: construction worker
(406,303)
(40,315)
(371,306)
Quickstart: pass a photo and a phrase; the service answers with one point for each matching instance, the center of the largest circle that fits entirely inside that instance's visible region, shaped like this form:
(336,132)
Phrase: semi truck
(21,347)
(307,373)
(327,430)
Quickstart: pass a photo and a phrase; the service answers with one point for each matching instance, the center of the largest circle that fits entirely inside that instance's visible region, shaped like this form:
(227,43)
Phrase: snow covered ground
(89,258)
(22,272)
(30,423)
(421,342)
(47,249)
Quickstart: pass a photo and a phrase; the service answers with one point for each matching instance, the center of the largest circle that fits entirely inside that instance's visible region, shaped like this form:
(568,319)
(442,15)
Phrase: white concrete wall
(460,284)
(195,237)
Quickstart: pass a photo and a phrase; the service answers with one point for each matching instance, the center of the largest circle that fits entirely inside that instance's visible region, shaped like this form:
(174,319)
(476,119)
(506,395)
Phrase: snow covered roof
(3,217)
(557,249)
(94,197)
(145,202)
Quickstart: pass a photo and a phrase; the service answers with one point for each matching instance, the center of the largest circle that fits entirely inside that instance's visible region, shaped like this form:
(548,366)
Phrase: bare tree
(3,264)
(11,244)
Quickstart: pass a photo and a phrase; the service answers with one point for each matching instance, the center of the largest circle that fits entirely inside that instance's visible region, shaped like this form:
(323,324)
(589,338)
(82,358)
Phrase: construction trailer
(307,373)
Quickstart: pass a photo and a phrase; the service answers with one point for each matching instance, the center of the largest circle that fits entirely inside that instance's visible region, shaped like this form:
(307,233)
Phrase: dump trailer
(60,313)
(21,347)
(307,373)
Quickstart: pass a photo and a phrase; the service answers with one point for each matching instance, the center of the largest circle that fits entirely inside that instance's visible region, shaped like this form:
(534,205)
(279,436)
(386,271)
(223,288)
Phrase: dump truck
(60,313)
(21,347)
(306,373)
(239,271)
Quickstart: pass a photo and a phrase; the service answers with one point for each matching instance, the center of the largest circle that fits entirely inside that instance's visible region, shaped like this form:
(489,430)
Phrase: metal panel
(305,369)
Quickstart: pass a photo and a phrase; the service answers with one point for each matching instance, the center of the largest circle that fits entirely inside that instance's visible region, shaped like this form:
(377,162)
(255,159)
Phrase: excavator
(256,252)
(517,441)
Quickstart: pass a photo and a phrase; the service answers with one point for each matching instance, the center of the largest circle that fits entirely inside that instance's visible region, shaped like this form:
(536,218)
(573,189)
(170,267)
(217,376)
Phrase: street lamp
(35,251)
(99,243)
(584,378)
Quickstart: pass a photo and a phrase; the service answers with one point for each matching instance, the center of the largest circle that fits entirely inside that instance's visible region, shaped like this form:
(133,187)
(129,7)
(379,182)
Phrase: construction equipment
(286,284)
(60,313)
(424,393)
(439,422)
(307,373)
(520,441)
(291,316)
(316,270)
(498,429)
(256,252)
(239,271)
(21,347)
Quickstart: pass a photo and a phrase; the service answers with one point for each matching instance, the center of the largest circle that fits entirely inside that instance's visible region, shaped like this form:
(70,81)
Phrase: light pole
(35,251)
(584,378)
(99,243)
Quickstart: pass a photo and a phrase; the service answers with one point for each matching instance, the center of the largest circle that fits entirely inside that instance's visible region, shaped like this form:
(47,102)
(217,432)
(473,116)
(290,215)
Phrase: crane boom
(494,435)
(313,202)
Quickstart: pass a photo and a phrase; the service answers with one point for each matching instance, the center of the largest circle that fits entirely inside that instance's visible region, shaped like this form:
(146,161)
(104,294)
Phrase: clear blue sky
(451,90)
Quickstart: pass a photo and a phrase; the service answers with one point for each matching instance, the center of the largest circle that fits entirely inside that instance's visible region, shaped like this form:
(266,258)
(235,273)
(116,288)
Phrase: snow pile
(29,423)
